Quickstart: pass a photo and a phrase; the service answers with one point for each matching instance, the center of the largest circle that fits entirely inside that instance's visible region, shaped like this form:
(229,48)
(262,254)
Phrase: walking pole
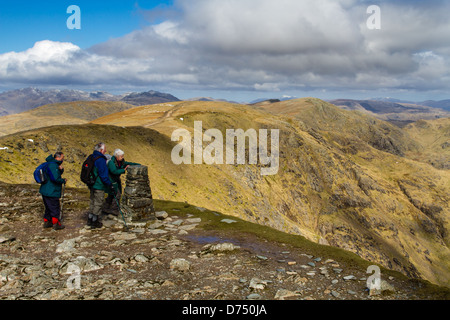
(120,210)
(62,201)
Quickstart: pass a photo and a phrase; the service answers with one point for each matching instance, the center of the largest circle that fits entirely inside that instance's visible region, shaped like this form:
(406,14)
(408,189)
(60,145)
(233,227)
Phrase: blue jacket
(101,172)
(53,187)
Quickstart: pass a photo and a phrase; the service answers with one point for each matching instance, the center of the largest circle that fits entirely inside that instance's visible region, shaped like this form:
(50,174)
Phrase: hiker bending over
(101,186)
(116,166)
(51,191)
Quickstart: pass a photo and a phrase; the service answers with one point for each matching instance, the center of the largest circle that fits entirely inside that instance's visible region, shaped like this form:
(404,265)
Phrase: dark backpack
(87,171)
(40,174)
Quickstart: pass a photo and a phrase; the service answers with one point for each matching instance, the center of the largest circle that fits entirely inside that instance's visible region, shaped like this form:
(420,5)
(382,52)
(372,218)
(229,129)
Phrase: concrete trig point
(137,200)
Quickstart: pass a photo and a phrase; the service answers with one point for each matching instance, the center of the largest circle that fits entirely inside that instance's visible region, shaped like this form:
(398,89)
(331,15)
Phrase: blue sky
(22,23)
(230,49)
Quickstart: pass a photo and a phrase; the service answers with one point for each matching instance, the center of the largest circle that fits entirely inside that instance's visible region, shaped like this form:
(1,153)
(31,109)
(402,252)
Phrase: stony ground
(173,258)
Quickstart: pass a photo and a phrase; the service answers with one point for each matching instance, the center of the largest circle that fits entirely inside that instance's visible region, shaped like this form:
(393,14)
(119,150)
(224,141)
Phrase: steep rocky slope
(343,178)
(434,139)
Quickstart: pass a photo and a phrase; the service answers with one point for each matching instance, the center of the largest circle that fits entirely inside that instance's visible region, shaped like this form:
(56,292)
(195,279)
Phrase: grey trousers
(110,206)
(96,204)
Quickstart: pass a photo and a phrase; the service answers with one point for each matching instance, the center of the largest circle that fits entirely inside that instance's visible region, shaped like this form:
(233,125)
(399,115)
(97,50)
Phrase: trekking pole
(62,201)
(120,210)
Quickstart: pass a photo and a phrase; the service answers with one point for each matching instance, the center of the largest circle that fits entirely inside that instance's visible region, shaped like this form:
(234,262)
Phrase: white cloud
(51,62)
(267,87)
(261,45)
(268,27)
(171,31)
(44,51)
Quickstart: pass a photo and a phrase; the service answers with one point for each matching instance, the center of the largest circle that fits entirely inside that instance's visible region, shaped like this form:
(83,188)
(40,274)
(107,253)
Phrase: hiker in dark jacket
(102,185)
(51,191)
(116,166)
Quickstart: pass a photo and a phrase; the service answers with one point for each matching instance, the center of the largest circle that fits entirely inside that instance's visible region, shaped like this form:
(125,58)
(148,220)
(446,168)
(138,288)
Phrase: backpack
(87,171)
(40,174)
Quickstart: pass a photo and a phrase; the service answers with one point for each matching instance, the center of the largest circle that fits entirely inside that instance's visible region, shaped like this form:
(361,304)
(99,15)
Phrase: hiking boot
(47,224)
(96,224)
(89,222)
(58,226)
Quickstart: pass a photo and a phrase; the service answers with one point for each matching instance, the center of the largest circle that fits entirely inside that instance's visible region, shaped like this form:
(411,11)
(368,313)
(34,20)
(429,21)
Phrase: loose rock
(283,293)
(180,265)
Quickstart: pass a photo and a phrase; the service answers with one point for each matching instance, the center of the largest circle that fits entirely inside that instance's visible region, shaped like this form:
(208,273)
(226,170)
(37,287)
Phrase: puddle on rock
(209,239)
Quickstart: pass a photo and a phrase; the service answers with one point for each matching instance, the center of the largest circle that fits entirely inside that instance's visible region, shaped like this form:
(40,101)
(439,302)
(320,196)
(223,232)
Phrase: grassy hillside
(345,127)
(434,139)
(342,181)
(59,114)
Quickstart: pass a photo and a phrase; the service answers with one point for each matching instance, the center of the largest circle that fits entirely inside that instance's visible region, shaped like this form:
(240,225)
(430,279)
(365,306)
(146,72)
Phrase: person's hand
(126,168)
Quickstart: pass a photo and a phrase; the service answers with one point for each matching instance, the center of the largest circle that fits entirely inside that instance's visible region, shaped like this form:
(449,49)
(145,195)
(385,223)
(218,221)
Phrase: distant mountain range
(210,99)
(398,112)
(442,104)
(383,105)
(379,107)
(16,101)
(273,100)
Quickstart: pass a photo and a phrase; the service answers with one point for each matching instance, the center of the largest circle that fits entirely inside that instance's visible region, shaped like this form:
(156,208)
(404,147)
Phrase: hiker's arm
(131,164)
(54,174)
(103,172)
(114,170)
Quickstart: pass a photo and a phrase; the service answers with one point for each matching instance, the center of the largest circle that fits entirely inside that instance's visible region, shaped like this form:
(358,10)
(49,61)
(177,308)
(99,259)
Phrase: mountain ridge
(21,100)
(401,112)
(395,111)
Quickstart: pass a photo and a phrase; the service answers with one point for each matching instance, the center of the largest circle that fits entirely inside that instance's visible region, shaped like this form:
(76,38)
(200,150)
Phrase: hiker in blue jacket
(101,186)
(51,191)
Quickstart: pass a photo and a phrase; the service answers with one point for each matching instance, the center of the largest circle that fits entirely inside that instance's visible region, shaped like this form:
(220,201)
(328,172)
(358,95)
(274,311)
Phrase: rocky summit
(190,253)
